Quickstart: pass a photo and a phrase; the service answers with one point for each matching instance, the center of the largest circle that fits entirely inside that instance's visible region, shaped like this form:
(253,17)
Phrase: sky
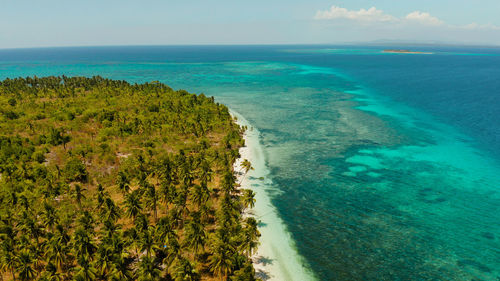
(44,23)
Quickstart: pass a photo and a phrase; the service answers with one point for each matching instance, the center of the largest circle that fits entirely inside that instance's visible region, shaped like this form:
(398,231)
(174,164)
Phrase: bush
(38,156)
(75,170)
(12,102)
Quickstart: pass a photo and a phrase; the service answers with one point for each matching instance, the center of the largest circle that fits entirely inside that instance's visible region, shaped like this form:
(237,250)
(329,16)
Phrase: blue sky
(33,23)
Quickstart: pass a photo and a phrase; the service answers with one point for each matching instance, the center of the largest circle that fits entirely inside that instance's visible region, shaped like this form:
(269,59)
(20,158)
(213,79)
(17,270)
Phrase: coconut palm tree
(172,251)
(205,171)
(131,236)
(248,198)
(133,204)
(51,273)
(249,236)
(83,244)
(123,182)
(227,184)
(112,211)
(121,269)
(56,253)
(86,220)
(78,194)
(167,193)
(185,271)
(101,196)
(148,269)
(24,266)
(246,166)
(151,198)
(165,230)
(221,261)
(85,271)
(9,260)
(104,260)
(199,195)
(246,273)
(141,223)
(31,227)
(195,233)
(147,242)
(49,216)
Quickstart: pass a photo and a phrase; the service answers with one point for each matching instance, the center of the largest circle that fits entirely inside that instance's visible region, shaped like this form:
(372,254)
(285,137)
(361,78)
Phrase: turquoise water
(386,166)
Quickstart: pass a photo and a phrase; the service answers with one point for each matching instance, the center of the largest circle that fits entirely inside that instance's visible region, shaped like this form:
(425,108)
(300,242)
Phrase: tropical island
(405,52)
(106,180)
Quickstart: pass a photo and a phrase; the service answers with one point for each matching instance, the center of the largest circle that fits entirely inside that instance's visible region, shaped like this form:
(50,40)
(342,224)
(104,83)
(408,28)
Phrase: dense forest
(106,180)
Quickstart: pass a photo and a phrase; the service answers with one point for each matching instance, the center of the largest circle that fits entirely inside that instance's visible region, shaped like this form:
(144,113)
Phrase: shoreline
(276,258)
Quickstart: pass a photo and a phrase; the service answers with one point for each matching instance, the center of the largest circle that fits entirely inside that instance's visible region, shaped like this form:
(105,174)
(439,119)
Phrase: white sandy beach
(276,258)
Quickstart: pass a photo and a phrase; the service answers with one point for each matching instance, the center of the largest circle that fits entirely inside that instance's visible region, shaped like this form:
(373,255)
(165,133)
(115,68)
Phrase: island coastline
(276,257)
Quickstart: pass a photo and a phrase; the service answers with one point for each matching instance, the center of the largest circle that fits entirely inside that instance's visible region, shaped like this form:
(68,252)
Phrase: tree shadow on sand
(259,273)
(263,260)
(262,275)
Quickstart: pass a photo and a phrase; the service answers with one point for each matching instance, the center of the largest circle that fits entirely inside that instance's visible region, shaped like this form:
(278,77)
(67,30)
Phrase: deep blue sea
(385,166)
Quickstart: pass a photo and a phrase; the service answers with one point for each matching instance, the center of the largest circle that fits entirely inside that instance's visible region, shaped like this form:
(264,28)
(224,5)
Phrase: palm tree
(148,269)
(121,269)
(25,268)
(123,182)
(31,227)
(185,271)
(56,253)
(83,244)
(101,196)
(248,198)
(78,194)
(227,184)
(49,216)
(173,252)
(9,260)
(228,210)
(85,270)
(206,172)
(152,198)
(86,220)
(131,235)
(165,230)
(250,236)
(133,204)
(167,193)
(221,261)
(141,223)
(246,166)
(147,242)
(112,211)
(195,233)
(104,261)
(23,200)
(246,273)
(62,235)
(199,195)
(51,273)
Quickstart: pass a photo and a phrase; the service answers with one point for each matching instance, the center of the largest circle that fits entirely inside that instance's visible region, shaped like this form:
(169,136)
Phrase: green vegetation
(105,180)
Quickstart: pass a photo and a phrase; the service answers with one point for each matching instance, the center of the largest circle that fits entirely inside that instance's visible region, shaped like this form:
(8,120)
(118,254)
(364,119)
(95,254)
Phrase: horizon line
(369,43)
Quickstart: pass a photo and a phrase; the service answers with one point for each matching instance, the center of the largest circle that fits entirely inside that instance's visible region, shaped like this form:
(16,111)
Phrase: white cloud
(423,18)
(475,26)
(372,14)
(415,18)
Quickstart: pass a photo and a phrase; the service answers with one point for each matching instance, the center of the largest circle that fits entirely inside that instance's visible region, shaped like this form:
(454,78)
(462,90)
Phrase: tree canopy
(105,180)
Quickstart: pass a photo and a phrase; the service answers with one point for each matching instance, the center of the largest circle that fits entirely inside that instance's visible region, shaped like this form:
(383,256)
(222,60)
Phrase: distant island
(405,52)
(105,180)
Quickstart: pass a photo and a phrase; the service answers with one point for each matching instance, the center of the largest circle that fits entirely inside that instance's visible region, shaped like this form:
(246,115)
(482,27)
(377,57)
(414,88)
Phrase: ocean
(382,166)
